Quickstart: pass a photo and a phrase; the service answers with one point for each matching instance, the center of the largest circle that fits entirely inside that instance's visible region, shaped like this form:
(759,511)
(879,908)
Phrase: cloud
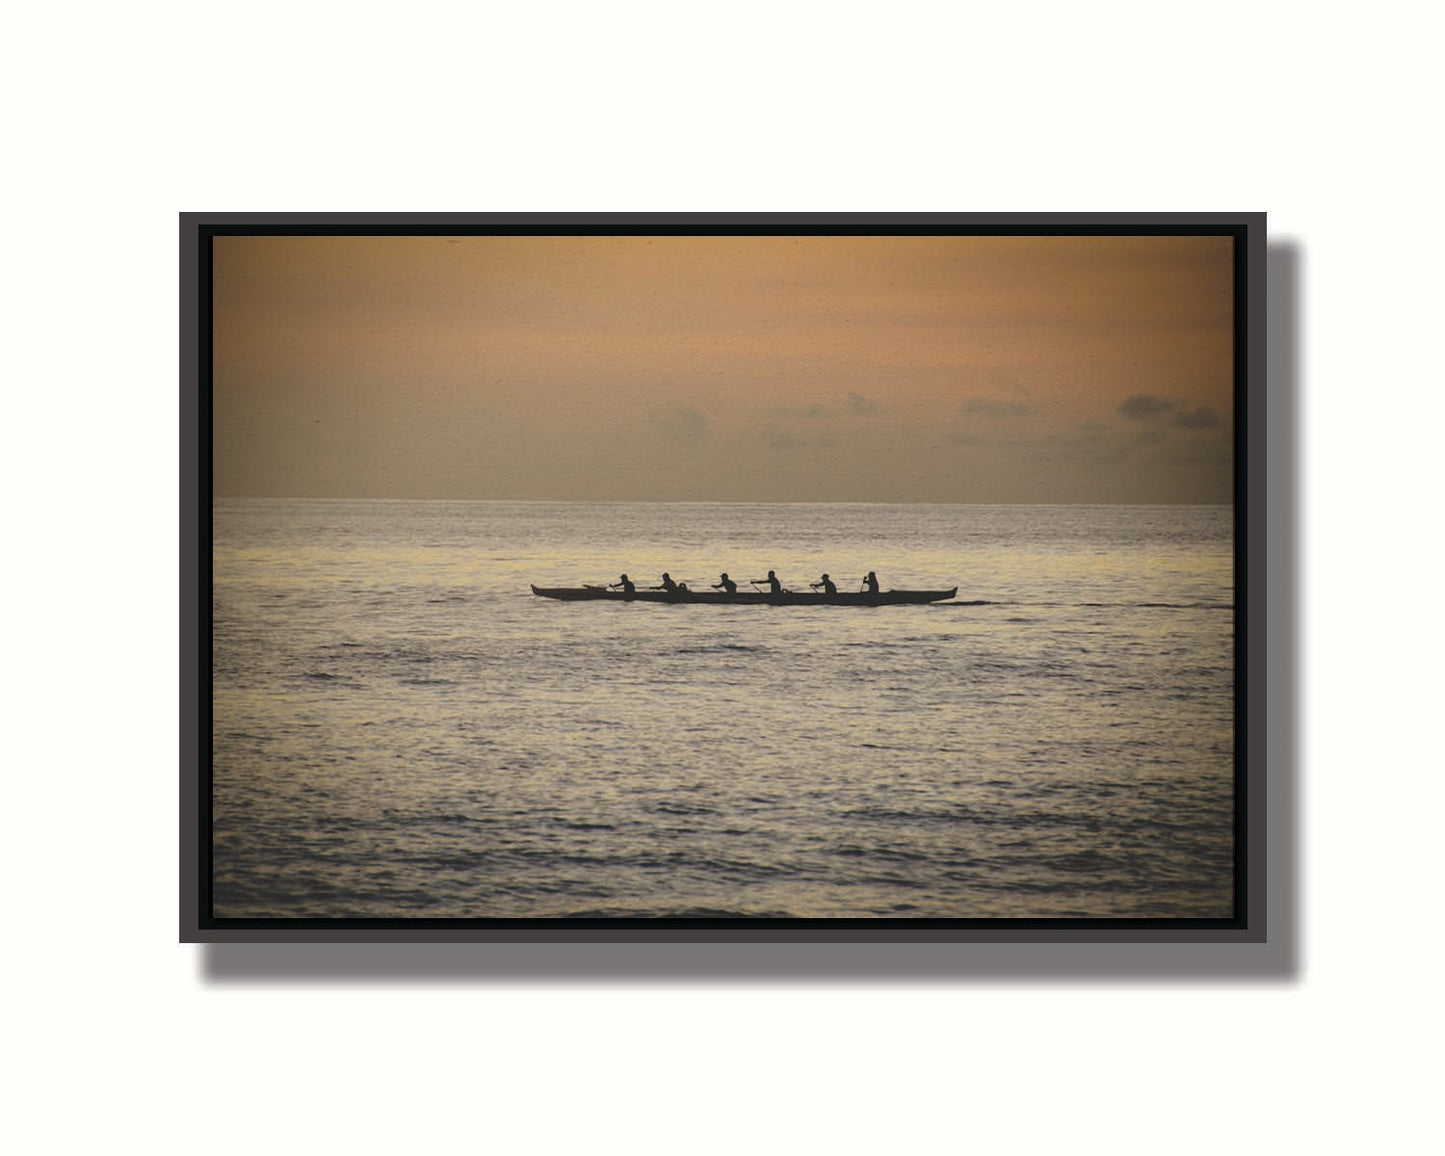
(812,411)
(964,438)
(776,439)
(1202,418)
(992,407)
(860,405)
(1144,407)
(780,439)
(1088,433)
(682,425)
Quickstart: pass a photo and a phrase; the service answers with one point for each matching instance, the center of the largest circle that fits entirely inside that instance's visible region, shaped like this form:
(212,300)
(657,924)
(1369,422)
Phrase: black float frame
(1251,921)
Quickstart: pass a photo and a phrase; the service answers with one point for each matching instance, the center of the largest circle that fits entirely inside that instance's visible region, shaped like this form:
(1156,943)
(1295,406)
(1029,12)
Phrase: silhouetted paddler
(628,589)
(774,586)
(826,583)
(871,582)
(667,583)
(726,584)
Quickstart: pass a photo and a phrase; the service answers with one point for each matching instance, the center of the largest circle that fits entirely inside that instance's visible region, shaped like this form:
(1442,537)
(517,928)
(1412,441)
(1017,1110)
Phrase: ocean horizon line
(691,501)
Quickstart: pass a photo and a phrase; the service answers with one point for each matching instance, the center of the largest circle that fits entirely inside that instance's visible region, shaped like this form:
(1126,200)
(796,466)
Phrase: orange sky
(985,369)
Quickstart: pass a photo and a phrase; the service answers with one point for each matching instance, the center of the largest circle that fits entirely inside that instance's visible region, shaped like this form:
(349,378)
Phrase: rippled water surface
(401,729)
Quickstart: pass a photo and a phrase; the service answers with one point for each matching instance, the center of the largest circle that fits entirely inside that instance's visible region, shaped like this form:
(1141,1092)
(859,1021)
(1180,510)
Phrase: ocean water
(402,730)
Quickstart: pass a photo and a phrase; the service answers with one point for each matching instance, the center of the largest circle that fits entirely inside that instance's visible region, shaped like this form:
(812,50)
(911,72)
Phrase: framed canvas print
(709,576)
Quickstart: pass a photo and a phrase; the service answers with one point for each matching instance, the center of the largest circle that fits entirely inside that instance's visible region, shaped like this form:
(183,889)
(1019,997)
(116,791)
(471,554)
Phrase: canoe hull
(745,597)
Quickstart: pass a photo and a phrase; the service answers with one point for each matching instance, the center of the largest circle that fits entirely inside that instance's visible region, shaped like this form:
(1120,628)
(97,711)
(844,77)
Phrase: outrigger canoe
(745,597)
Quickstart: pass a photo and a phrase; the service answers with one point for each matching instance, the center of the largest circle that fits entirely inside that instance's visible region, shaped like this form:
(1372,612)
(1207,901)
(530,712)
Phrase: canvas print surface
(723,577)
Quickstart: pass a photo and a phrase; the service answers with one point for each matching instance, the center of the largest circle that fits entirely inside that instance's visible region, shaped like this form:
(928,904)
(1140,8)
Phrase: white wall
(123,116)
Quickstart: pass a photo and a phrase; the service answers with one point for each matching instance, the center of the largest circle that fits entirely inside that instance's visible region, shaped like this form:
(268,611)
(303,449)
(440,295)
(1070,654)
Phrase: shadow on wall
(1273,745)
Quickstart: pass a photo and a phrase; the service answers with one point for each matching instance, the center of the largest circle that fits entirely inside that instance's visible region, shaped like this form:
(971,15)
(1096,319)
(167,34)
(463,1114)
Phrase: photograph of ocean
(402,730)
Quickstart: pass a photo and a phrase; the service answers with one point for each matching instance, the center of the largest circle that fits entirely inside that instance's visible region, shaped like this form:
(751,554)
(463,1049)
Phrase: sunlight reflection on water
(402,729)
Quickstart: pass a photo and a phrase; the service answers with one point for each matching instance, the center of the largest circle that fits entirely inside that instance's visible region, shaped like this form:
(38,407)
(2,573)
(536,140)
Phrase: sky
(901,369)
